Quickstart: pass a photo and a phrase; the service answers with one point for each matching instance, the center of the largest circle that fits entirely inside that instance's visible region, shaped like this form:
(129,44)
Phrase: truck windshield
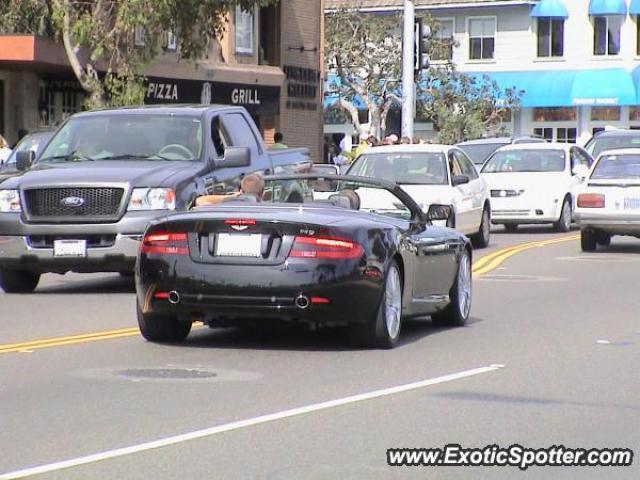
(124,137)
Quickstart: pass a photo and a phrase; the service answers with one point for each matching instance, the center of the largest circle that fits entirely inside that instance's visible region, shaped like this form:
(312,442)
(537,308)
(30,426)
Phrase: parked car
(360,259)
(480,149)
(614,139)
(440,174)
(608,203)
(85,203)
(534,183)
(33,142)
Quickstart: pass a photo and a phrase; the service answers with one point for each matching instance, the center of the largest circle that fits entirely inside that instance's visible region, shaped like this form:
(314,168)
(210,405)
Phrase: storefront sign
(302,87)
(257,99)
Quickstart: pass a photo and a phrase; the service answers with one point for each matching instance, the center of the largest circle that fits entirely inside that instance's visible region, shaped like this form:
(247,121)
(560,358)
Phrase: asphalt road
(549,357)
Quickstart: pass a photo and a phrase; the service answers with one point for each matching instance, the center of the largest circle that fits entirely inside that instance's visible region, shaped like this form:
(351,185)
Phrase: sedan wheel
(564,222)
(588,240)
(384,331)
(481,239)
(457,312)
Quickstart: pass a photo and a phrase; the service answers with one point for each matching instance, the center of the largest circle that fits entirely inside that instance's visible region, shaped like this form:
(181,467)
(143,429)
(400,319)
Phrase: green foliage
(364,50)
(462,107)
(100,35)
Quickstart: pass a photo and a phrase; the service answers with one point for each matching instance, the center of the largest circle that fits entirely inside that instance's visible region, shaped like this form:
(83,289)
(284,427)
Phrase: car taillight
(165,243)
(591,200)
(325,247)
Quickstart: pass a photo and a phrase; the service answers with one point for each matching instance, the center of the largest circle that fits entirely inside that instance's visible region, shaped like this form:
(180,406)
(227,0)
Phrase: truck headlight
(152,199)
(10,201)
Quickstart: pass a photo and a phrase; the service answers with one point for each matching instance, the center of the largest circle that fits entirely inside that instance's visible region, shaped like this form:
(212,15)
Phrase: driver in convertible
(251,188)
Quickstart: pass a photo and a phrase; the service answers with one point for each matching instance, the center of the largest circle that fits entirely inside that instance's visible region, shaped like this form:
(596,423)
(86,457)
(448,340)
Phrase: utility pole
(408,68)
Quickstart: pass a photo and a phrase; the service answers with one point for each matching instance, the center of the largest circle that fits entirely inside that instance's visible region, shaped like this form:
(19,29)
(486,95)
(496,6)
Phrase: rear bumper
(226,294)
(610,223)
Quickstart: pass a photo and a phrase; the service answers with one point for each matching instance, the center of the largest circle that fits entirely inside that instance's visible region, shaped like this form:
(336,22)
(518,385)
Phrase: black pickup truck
(85,202)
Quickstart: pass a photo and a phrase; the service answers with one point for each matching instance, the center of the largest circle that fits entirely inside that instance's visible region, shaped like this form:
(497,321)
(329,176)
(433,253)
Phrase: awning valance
(565,88)
(634,7)
(550,8)
(607,7)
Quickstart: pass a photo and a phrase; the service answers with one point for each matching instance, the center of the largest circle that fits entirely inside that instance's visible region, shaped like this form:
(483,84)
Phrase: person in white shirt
(5,151)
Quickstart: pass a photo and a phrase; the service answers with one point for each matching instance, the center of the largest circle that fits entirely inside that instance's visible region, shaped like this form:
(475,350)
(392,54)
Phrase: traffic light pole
(408,68)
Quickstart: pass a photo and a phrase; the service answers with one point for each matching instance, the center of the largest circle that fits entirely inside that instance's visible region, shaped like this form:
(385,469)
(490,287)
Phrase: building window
(634,114)
(554,114)
(69,103)
(605,114)
(244,31)
(482,32)
(546,133)
(550,37)
(566,135)
(606,34)
(169,41)
(443,48)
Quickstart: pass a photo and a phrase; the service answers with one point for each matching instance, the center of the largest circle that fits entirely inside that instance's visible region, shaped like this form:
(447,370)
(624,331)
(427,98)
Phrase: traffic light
(423,41)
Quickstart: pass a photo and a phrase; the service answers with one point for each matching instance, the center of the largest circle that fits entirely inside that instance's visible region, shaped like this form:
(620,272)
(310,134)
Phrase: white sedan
(609,202)
(534,183)
(434,174)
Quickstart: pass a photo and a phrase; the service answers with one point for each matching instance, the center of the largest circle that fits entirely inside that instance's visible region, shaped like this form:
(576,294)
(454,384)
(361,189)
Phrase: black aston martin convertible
(357,252)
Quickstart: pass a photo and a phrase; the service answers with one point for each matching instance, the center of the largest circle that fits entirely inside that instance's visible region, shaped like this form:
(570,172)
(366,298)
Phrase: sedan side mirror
(24,160)
(439,212)
(459,180)
(235,157)
(580,171)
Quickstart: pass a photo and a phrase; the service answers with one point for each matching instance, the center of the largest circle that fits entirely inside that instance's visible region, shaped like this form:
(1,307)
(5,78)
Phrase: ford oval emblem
(72,201)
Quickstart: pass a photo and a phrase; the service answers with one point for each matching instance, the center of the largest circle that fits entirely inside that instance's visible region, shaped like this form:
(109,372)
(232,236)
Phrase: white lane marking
(603,342)
(227,427)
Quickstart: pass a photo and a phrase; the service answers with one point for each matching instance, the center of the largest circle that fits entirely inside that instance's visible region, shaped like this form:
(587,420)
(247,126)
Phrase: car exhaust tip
(174,297)
(302,302)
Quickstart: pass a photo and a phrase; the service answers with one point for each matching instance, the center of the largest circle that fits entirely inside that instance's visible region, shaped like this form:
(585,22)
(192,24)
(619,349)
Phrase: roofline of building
(469,4)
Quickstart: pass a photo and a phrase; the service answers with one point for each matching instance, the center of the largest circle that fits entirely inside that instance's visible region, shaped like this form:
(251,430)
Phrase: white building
(577,61)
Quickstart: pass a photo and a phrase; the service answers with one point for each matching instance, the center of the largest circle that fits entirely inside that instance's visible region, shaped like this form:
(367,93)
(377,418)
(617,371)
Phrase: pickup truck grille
(95,204)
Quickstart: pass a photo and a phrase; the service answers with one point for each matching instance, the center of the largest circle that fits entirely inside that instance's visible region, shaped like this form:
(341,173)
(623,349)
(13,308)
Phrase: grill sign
(72,202)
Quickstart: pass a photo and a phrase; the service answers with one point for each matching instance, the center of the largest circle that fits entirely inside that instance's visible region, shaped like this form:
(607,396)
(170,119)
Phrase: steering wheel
(176,147)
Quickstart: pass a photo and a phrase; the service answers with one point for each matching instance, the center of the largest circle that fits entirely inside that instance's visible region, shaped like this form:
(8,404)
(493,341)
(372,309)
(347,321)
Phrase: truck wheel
(162,328)
(18,281)
(588,240)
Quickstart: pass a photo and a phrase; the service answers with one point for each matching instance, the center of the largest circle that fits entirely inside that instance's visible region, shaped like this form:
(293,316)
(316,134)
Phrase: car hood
(135,173)
(425,195)
(544,181)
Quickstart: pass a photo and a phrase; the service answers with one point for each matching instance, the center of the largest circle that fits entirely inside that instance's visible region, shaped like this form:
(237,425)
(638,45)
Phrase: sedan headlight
(152,199)
(10,201)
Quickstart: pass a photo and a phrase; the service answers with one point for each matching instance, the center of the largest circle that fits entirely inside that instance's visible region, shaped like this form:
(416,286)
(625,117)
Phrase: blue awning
(566,88)
(331,95)
(550,8)
(634,8)
(607,7)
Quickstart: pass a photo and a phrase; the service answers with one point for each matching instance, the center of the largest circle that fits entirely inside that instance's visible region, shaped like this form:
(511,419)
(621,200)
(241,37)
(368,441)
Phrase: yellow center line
(480,267)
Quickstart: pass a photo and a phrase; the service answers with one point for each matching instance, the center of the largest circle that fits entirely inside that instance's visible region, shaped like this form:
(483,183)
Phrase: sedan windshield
(617,166)
(598,145)
(525,161)
(479,152)
(123,137)
(407,168)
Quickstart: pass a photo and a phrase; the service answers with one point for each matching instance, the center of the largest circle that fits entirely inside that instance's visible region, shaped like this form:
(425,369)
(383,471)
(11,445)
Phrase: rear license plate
(232,245)
(632,203)
(69,248)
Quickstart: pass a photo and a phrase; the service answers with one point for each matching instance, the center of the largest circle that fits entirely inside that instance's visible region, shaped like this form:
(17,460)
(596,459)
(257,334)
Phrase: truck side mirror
(24,160)
(235,157)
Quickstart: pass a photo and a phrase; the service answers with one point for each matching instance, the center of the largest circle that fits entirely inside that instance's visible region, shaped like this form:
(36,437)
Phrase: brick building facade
(268,60)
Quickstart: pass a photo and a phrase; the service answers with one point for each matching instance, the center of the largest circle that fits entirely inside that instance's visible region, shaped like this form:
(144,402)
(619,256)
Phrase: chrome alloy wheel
(393,302)
(464,285)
